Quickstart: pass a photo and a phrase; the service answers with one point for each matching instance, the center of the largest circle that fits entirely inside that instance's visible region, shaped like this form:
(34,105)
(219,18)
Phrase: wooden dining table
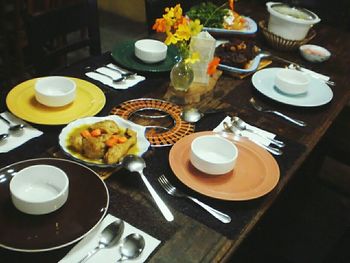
(194,235)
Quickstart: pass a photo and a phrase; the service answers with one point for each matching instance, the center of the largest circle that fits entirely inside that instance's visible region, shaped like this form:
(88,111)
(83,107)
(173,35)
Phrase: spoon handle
(160,203)
(9,123)
(295,121)
(276,142)
(89,255)
(216,213)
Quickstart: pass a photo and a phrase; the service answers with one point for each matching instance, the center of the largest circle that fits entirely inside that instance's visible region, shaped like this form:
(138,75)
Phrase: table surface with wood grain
(194,236)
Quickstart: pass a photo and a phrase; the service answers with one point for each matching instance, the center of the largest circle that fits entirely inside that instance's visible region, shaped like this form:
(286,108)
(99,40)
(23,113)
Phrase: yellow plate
(21,102)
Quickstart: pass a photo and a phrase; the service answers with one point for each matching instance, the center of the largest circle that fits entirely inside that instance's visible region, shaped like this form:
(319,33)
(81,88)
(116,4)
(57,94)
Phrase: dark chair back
(55,33)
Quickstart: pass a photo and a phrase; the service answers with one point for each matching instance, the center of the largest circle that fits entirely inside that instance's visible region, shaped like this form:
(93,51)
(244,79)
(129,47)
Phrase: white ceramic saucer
(319,93)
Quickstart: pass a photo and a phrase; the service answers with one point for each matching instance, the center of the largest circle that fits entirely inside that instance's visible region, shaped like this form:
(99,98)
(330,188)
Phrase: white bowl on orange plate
(314,53)
(291,81)
(39,189)
(55,91)
(150,50)
(213,154)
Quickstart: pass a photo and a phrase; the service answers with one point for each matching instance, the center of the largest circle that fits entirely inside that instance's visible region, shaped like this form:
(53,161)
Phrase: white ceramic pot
(290,22)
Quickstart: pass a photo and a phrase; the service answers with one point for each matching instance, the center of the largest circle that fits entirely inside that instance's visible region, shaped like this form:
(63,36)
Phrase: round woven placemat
(176,132)
(281,43)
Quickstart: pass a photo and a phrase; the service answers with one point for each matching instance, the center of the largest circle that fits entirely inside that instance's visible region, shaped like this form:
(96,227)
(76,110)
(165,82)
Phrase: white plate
(142,142)
(318,94)
(251,28)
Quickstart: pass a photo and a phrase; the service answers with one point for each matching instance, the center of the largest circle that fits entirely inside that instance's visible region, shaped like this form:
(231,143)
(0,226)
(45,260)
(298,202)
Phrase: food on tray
(214,16)
(237,53)
(103,141)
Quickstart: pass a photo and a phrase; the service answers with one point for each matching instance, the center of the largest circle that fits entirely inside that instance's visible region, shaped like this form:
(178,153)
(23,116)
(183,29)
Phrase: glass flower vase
(181,76)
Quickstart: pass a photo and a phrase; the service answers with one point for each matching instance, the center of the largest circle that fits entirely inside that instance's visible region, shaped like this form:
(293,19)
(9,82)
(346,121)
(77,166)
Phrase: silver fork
(124,74)
(172,190)
(113,79)
(260,108)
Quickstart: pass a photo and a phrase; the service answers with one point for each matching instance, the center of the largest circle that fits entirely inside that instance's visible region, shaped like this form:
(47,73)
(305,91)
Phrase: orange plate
(256,172)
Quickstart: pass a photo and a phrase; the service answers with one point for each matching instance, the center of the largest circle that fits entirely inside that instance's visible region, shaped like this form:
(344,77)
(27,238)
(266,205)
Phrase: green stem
(211,15)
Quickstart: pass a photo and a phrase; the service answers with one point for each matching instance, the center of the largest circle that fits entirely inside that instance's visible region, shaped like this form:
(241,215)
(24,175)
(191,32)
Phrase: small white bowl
(150,50)
(314,53)
(55,91)
(292,82)
(39,189)
(212,154)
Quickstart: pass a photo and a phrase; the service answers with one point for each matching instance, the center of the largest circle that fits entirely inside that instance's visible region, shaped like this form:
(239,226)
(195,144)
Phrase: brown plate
(86,206)
(256,172)
(168,137)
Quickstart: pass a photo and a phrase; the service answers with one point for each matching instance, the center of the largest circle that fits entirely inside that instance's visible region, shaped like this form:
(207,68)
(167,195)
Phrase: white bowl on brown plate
(39,189)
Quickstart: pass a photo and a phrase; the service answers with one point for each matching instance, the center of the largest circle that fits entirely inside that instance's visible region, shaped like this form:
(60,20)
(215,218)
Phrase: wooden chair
(57,32)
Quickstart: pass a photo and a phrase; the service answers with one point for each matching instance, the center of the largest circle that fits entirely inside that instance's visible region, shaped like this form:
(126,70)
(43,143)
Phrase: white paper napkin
(311,73)
(129,82)
(108,255)
(254,137)
(15,139)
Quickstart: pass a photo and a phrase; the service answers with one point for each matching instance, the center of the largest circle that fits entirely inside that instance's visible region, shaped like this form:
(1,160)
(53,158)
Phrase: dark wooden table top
(195,236)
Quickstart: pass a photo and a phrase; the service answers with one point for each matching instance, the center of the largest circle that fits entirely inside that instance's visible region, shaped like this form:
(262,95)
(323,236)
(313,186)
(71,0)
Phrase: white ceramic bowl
(314,53)
(290,22)
(292,82)
(212,154)
(55,91)
(39,189)
(150,50)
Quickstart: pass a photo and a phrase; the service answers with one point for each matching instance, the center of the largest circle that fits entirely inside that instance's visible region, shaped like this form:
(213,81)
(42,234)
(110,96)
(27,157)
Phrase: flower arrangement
(179,29)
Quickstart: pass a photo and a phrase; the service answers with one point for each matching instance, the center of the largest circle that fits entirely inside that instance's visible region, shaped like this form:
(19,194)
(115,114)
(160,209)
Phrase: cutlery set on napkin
(129,243)
(12,137)
(115,77)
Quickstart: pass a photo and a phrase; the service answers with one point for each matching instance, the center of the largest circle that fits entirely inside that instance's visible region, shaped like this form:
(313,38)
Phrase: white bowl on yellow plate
(55,91)
(21,101)
(39,189)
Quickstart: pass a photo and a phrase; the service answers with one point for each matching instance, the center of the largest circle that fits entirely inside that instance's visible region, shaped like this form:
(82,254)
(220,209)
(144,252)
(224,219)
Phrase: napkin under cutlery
(254,137)
(127,83)
(16,139)
(311,73)
(107,255)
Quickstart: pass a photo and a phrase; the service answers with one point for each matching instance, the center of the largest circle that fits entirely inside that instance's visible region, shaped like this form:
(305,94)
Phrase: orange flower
(213,65)
(159,25)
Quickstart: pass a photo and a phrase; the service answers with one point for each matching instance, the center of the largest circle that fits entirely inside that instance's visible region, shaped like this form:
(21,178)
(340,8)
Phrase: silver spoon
(260,108)
(135,163)
(109,237)
(131,247)
(3,136)
(238,133)
(13,128)
(240,124)
(194,115)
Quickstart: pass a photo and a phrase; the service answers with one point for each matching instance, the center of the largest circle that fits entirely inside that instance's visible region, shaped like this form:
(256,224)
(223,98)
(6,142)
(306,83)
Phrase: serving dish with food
(103,141)
(222,20)
(239,55)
